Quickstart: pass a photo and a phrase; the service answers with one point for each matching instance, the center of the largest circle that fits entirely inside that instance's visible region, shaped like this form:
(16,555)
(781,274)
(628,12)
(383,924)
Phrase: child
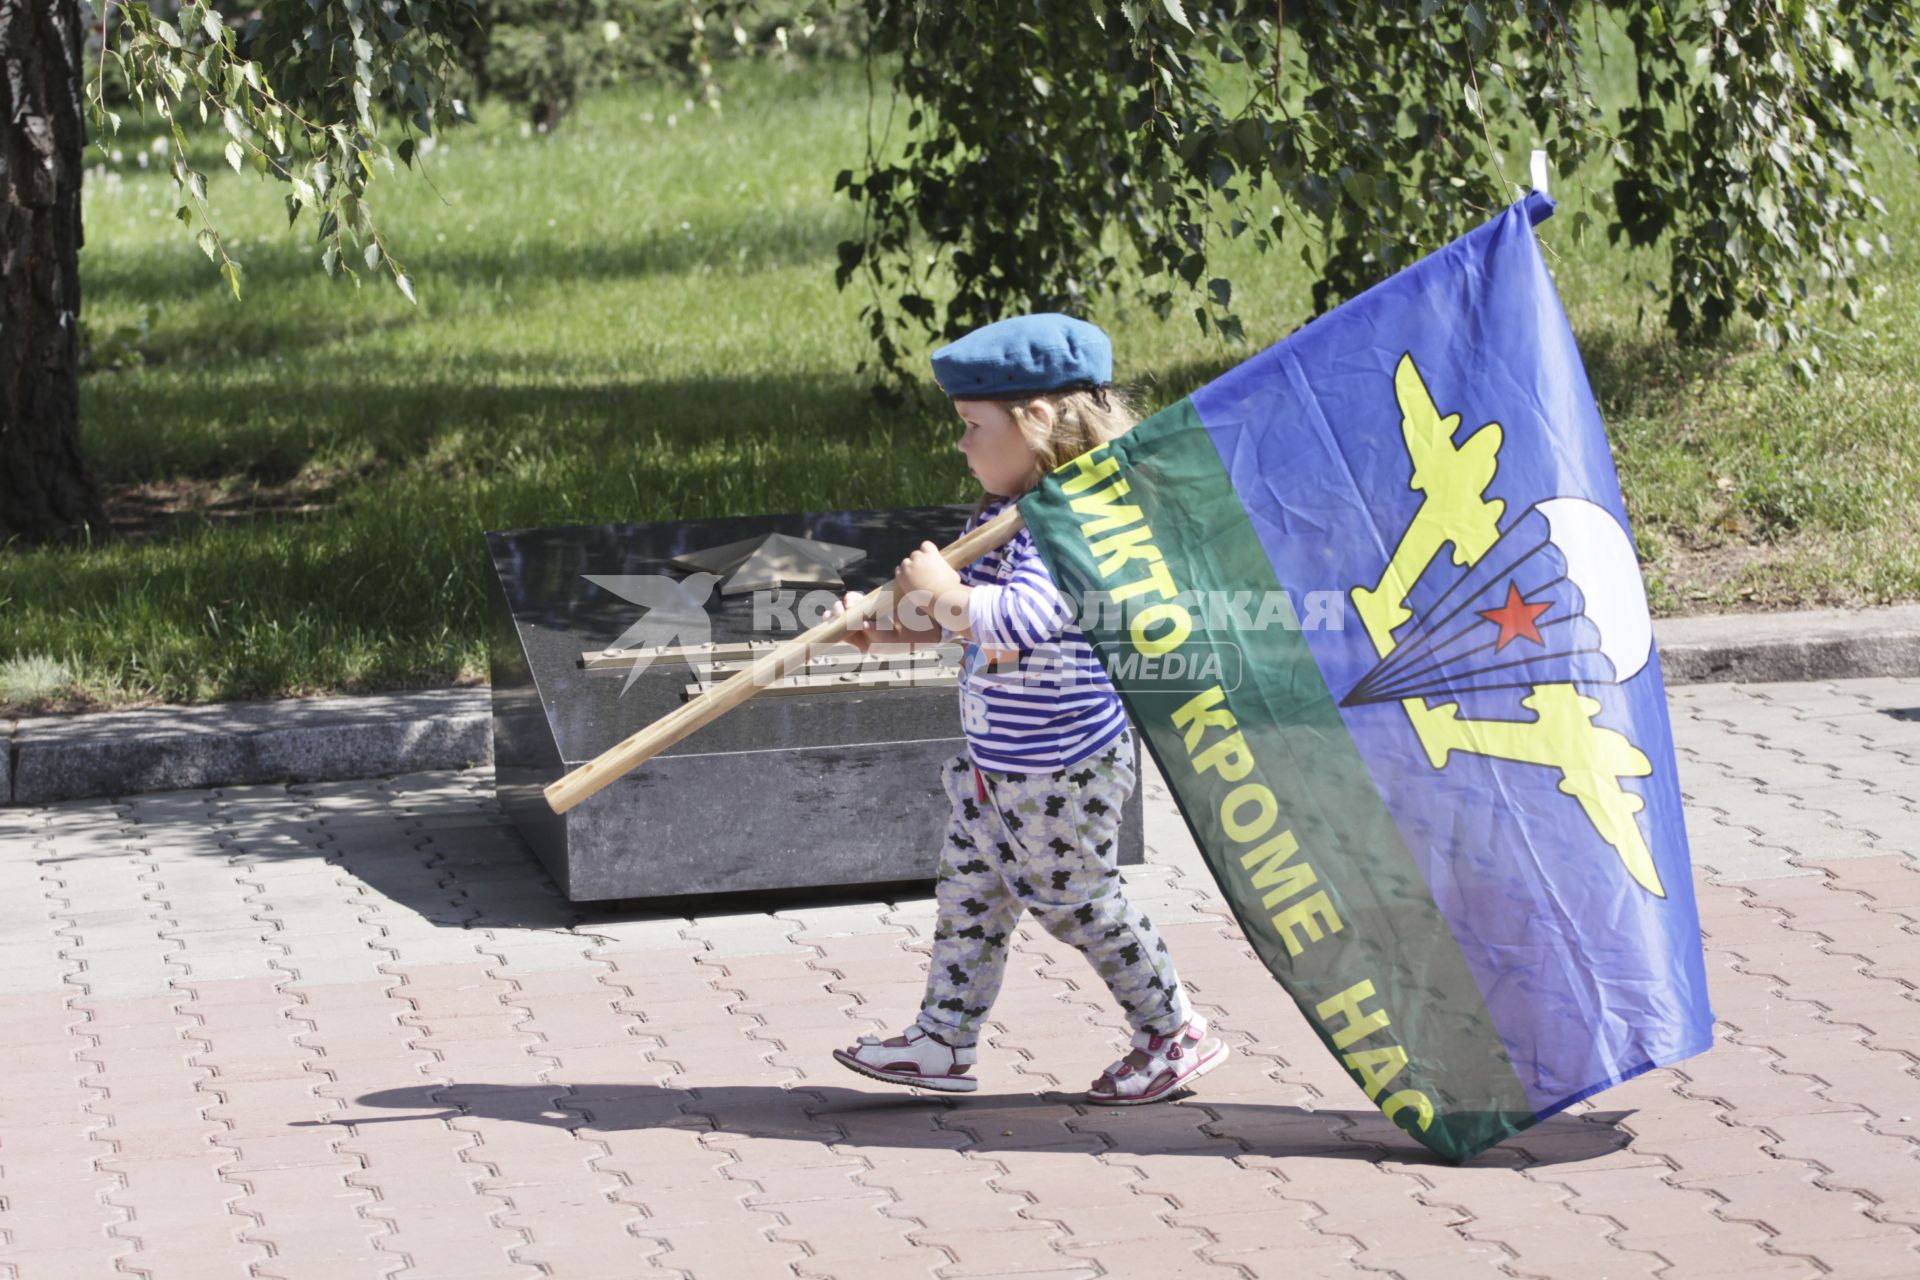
(1036,810)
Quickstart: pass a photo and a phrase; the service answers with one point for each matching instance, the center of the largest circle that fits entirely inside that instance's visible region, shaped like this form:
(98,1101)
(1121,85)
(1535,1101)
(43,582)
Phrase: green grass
(634,319)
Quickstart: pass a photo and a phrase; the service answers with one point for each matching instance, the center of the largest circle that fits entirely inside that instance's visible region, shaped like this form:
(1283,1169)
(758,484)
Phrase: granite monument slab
(830,779)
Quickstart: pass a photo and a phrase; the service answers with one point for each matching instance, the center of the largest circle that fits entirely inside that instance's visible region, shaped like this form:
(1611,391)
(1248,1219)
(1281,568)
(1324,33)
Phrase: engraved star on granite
(773,560)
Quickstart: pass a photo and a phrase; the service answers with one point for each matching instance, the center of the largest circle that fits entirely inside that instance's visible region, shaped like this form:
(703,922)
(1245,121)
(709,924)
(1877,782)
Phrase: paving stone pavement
(350,1029)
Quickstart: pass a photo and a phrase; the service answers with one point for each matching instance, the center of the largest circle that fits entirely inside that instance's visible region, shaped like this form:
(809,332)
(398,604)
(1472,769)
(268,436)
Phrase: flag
(1371,600)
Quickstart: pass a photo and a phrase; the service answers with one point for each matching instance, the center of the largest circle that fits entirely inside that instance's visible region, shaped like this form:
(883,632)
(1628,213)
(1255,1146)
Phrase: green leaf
(209,244)
(165,30)
(373,255)
(406,287)
(216,30)
(330,261)
(231,270)
(1176,12)
(236,156)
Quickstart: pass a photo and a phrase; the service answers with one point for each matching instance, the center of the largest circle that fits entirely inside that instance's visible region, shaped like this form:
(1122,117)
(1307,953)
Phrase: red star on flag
(1516,618)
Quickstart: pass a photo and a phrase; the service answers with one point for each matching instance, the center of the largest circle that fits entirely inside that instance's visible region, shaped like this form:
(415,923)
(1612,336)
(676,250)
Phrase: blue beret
(1023,356)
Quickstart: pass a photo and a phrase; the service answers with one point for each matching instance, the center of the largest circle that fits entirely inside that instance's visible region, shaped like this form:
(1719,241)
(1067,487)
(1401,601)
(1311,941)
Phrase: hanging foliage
(324,94)
(308,94)
(1057,151)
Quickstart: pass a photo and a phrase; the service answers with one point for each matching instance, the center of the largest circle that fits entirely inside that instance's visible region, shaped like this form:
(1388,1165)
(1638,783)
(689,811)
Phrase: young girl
(1036,809)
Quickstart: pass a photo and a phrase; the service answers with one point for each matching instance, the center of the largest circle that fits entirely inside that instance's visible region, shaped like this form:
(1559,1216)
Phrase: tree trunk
(46,493)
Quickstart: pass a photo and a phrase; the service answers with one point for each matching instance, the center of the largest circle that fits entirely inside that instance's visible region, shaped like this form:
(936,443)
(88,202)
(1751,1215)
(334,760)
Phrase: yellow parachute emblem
(1454,512)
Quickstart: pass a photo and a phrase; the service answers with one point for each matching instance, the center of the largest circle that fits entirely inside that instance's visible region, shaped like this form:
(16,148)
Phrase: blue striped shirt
(1052,705)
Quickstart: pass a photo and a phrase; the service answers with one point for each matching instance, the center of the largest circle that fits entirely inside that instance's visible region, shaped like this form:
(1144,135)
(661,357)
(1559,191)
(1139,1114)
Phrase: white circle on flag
(1600,561)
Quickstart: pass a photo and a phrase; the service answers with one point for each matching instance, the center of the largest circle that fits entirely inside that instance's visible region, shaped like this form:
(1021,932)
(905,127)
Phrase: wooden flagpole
(629,754)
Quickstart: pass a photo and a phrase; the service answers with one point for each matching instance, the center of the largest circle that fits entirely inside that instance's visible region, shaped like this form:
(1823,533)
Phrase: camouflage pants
(1046,843)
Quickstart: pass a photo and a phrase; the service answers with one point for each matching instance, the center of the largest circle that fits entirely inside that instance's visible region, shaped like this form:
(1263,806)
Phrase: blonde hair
(1081,420)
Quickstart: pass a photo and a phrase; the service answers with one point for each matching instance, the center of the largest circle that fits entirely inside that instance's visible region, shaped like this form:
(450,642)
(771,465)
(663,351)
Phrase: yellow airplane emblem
(1454,510)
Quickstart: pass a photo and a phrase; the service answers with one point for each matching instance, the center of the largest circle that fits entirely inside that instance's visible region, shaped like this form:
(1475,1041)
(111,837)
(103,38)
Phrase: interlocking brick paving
(351,1030)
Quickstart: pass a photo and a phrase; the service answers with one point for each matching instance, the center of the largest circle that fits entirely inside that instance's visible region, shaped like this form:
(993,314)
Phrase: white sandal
(914,1057)
(1173,1063)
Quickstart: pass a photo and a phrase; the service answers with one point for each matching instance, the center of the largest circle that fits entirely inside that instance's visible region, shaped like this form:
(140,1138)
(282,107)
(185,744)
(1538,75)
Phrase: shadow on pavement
(982,1123)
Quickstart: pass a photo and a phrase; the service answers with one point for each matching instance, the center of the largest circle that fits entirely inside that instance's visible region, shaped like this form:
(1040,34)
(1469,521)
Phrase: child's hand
(860,637)
(927,571)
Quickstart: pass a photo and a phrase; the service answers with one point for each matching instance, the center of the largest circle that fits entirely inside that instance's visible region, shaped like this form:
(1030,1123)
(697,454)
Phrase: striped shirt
(1050,706)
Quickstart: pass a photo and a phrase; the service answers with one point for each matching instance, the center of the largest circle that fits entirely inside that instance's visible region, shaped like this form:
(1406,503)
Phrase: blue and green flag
(1371,600)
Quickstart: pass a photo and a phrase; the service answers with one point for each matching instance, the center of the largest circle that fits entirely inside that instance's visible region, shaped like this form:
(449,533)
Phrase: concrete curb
(52,758)
(225,744)
(1818,644)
